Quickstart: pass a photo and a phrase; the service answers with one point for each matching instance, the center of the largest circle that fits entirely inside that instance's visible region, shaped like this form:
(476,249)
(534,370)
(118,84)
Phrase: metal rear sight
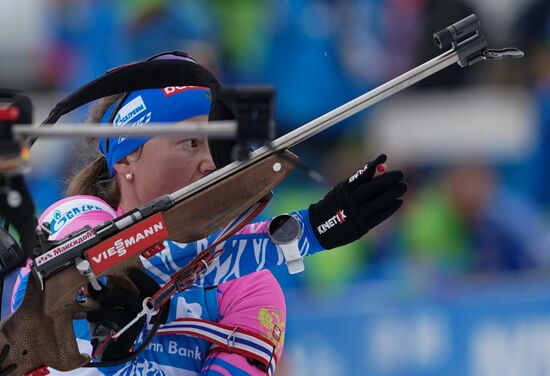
(466,39)
(253,108)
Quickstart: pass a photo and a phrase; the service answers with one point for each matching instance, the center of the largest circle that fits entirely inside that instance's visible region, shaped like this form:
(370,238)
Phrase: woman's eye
(191,143)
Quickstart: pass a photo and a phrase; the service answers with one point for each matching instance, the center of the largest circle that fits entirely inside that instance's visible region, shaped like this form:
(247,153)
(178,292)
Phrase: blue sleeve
(248,251)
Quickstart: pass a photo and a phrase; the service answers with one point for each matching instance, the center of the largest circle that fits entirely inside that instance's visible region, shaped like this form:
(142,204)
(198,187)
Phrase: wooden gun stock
(41,331)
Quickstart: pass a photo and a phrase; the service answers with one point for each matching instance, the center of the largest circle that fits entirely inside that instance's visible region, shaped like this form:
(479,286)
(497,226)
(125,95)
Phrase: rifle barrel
(325,121)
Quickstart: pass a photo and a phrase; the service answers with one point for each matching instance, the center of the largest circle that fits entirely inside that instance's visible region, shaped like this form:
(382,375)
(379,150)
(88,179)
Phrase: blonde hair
(92,175)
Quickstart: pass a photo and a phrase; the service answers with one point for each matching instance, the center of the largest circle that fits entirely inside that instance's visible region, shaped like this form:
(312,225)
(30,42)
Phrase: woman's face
(167,164)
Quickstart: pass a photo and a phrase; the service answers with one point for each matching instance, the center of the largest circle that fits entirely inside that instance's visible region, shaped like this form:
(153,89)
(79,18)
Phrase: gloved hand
(118,307)
(356,205)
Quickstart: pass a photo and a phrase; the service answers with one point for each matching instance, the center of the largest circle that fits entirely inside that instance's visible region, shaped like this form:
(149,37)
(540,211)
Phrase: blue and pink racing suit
(230,293)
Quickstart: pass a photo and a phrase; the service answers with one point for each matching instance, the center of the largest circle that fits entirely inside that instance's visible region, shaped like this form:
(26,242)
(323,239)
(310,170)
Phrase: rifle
(60,269)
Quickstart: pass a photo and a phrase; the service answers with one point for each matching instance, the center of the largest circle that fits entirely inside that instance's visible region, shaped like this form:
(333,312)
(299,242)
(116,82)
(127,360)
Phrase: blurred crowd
(462,216)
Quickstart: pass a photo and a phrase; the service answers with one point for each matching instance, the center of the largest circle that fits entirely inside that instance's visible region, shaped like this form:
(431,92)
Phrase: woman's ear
(123,168)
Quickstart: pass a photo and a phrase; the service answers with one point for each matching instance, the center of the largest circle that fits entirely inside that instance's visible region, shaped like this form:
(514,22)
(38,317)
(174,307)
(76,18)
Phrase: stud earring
(129,176)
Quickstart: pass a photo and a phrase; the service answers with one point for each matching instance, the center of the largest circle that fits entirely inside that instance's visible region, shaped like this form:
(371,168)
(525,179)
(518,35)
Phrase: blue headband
(171,104)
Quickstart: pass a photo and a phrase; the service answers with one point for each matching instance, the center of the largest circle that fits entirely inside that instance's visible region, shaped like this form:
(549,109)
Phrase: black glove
(356,205)
(4,371)
(119,307)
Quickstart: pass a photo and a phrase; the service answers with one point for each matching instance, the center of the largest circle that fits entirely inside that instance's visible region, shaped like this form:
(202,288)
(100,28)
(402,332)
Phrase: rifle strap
(184,278)
(227,339)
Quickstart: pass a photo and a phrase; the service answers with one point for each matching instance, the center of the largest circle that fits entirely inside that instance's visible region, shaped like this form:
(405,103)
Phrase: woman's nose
(207,165)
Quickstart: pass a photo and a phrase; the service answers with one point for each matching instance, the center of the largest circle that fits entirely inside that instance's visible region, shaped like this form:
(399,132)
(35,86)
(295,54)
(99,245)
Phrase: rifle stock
(41,331)
(245,187)
(37,338)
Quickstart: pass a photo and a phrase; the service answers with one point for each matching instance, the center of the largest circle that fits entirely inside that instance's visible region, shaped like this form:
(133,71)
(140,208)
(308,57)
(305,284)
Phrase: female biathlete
(237,295)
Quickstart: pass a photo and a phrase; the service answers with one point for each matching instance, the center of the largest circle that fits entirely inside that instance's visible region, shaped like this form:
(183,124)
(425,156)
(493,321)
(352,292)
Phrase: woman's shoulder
(254,302)
(74,212)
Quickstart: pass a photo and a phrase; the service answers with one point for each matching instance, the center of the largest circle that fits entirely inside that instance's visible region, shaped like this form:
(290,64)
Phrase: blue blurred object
(472,327)
(302,63)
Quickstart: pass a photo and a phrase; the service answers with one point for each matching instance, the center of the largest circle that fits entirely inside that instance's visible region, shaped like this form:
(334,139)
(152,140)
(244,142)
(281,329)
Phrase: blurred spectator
(303,64)
(532,32)
(87,39)
(379,40)
(463,220)
(242,31)
(532,29)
